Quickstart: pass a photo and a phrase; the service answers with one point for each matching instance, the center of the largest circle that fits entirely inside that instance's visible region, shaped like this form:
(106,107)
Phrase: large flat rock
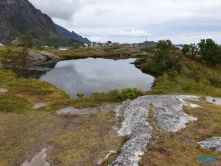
(38,160)
(168,113)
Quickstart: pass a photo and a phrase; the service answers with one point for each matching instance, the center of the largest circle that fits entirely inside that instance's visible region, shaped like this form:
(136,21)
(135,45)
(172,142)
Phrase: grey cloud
(133,20)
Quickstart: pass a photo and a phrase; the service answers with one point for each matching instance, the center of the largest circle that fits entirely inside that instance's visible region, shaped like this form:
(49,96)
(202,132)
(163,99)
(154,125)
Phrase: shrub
(210,52)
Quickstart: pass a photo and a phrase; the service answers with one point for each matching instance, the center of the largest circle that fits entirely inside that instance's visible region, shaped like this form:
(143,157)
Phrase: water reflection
(96,75)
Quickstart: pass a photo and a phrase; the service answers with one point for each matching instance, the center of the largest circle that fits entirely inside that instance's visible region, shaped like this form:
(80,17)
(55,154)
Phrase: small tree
(186,48)
(210,52)
(193,50)
(20,64)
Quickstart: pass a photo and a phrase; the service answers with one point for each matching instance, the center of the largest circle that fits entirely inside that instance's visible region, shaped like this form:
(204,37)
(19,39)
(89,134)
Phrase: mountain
(71,35)
(20,17)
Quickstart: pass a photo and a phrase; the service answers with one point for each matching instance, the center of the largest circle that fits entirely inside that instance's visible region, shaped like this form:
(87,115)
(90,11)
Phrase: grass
(84,140)
(181,148)
(194,79)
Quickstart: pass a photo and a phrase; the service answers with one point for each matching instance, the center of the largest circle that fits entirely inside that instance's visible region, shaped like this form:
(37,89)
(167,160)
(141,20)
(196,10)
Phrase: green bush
(115,95)
(210,52)
(215,81)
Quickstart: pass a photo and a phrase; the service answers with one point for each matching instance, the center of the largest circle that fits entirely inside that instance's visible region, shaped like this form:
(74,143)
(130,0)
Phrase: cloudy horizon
(132,21)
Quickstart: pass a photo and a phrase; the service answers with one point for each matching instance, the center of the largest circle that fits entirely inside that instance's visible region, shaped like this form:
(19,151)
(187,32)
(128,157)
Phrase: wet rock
(39,105)
(213,143)
(3,90)
(74,111)
(38,160)
(79,94)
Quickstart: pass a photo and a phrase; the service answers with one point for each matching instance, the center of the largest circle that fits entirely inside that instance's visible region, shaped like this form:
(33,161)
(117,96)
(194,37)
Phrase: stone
(34,56)
(216,101)
(79,94)
(213,144)
(3,90)
(74,111)
(1,66)
(38,160)
(50,55)
(168,112)
(107,109)
(41,55)
(39,105)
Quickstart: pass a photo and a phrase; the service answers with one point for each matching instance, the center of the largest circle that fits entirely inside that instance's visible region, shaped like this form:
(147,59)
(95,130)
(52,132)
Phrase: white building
(1,45)
(63,48)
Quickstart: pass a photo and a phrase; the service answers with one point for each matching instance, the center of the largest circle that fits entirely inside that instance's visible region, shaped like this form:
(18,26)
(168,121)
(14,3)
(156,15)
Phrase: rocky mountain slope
(71,35)
(21,17)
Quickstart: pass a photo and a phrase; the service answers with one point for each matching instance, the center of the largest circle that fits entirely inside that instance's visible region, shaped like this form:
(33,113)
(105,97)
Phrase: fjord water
(97,75)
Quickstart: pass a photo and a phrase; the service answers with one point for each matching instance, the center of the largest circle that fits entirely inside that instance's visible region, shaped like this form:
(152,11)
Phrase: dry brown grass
(181,148)
(73,140)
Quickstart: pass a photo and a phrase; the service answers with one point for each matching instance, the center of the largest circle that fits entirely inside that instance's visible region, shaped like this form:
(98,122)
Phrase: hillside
(71,35)
(22,18)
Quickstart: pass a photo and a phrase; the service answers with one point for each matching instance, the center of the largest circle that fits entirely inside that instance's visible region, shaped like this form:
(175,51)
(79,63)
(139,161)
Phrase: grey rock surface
(50,55)
(38,160)
(168,113)
(74,111)
(41,55)
(3,90)
(34,56)
(213,143)
(39,105)
(1,66)
(106,109)
(216,101)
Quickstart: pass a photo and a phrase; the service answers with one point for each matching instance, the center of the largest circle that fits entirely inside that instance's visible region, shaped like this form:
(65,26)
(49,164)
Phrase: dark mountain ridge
(71,35)
(20,17)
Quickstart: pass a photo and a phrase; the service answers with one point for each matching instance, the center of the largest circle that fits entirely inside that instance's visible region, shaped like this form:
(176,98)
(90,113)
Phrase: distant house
(108,43)
(93,44)
(63,48)
(85,44)
(1,45)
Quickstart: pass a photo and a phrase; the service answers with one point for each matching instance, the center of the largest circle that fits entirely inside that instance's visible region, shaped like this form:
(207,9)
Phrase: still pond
(97,75)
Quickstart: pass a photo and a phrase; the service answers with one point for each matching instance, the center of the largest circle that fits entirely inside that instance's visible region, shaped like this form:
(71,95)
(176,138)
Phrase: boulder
(49,55)
(213,143)
(74,111)
(34,56)
(107,109)
(38,160)
(39,105)
(41,55)
(3,90)
(79,94)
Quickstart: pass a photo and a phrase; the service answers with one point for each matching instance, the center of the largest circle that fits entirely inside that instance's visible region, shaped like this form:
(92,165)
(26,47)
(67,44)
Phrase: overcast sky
(130,21)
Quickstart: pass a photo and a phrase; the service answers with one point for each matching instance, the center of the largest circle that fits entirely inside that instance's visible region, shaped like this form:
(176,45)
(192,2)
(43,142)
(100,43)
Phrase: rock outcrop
(42,55)
(168,112)
(213,143)
(38,160)
(3,90)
